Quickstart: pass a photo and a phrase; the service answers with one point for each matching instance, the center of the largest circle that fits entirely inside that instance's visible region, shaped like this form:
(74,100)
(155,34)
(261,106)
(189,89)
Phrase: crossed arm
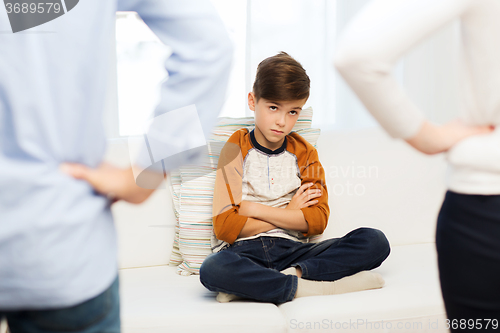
(235,218)
(198,68)
(262,218)
(368,49)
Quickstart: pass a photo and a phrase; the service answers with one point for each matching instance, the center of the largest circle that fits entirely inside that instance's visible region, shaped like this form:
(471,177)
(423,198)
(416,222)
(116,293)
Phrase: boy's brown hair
(281,78)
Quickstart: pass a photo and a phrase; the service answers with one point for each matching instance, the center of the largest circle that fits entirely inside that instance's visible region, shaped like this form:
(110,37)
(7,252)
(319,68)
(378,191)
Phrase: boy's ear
(251,101)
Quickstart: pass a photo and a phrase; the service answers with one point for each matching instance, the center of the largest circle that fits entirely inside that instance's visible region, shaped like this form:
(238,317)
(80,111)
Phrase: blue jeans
(100,314)
(251,268)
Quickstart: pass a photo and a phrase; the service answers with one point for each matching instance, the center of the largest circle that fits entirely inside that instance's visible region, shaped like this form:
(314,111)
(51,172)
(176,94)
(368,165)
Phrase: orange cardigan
(248,171)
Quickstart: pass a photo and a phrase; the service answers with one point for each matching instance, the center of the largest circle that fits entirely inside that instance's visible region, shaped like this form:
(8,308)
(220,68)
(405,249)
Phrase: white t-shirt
(386,29)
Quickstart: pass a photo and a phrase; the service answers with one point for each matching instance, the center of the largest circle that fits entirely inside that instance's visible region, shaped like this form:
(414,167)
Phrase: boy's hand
(110,181)
(304,198)
(432,139)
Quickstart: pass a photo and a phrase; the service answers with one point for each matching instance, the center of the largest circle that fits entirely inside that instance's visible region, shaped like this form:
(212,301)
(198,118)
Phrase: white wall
(145,231)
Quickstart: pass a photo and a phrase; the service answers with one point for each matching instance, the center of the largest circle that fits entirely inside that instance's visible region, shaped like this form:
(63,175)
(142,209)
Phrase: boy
(270,196)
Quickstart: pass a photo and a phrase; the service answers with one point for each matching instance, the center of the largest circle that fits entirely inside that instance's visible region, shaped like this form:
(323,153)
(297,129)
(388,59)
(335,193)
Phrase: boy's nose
(281,121)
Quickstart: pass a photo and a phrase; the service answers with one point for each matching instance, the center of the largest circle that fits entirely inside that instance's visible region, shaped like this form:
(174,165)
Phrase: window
(258,28)
(307,30)
(140,71)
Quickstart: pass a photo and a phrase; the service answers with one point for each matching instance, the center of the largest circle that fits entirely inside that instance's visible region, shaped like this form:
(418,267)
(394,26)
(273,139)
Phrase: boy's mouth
(277,132)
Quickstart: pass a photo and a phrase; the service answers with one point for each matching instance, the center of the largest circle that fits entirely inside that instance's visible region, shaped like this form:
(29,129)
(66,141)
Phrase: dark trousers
(251,268)
(100,314)
(468,246)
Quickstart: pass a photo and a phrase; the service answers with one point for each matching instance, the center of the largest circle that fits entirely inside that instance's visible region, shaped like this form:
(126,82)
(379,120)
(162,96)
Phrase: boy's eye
(273,108)
(295,112)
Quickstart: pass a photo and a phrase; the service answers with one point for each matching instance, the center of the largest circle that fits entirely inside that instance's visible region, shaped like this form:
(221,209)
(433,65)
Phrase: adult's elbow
(226,54)
(219,51)
(225,49)
(362,63)
(349,59)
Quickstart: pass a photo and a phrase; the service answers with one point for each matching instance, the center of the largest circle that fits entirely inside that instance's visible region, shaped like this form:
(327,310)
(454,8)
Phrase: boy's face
(274,119)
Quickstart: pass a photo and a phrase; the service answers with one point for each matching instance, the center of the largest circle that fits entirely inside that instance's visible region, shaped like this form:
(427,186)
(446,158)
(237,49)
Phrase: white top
(384,30)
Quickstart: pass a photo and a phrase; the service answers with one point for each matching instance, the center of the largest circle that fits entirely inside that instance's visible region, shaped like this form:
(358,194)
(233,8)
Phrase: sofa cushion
(145,231)
(401,196)
(411,295)
(155,299)
(174,184)
(376,181)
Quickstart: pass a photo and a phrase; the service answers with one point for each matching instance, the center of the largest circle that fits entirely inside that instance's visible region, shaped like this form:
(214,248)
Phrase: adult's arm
(198,70)
(368,50)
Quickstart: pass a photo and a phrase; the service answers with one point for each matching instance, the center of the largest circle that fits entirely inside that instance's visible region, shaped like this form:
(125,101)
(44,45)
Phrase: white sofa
(372,180)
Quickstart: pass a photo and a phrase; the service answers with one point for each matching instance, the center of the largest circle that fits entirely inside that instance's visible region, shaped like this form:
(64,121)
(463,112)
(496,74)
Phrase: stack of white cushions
(192,193)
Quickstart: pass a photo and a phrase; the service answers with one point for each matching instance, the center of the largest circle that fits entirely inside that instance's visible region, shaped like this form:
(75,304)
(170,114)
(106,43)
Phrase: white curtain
(307,30)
